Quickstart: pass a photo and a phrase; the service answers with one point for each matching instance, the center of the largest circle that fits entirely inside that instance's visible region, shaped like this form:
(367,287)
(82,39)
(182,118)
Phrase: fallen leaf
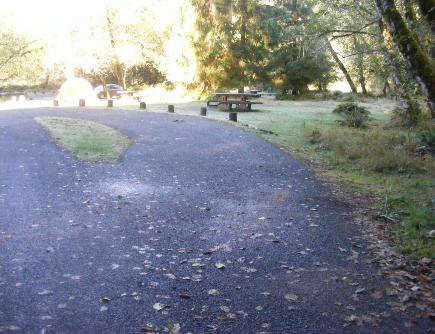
(174,328)
(220,265)
(159,306)
(148,329)
(291,297)
(213,292)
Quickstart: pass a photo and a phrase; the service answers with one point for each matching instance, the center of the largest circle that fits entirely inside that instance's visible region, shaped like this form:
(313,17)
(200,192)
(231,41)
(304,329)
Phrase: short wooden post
(109,103)
(203,111)
(171,108)
(55,103)
(233,116)
(142,105)
(82,103)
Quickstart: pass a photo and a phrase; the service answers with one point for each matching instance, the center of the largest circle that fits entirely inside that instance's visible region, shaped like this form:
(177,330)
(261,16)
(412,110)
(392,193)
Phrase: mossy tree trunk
(421,66)
(405,96)
(427,8)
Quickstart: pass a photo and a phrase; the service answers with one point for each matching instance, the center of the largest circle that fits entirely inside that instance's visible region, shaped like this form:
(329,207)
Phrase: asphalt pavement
(200,227)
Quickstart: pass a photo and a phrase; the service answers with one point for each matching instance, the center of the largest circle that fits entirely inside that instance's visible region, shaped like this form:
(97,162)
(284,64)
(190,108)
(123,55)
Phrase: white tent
(75,89)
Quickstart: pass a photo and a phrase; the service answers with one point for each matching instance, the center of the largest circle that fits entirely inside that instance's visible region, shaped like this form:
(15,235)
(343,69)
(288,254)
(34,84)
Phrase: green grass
(89,141)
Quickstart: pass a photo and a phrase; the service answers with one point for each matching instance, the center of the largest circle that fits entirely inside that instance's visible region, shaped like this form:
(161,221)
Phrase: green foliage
(144,74)
(248,42)
(296,59)
(353,115)
(407,115)
(229,45)
(426,138)
(21,59)
(292,73)
(375,150)
(315,136)
(136,77)
(413,233)
(351,98)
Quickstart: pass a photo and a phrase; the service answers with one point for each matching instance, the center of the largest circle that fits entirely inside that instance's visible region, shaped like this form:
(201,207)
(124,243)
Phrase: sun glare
(69,29)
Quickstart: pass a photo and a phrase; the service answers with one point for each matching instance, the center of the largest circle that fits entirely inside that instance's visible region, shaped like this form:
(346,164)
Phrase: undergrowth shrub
(414,233)
(350,98)
(314,136)
(353,115)
(426,139)
(408,116)
(375,149)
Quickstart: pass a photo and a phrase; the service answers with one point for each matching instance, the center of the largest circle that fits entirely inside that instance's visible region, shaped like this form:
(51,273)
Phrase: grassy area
(89,141)
(378,161)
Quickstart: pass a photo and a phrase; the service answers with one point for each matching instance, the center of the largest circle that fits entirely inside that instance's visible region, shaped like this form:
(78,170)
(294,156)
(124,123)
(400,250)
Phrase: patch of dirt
(127,188)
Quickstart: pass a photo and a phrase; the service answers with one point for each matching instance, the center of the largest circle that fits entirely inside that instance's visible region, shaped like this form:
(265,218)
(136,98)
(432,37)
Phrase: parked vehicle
(115,91)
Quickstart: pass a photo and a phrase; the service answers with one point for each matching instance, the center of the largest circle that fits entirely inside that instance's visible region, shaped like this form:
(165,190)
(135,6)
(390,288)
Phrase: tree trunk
(404,95)
(427,8)
(118,66)
(341,66)
(421,66)
(360,65)
(243,31)
(386,88)
(47,80)
(410,16)
(362,80)
(124,77)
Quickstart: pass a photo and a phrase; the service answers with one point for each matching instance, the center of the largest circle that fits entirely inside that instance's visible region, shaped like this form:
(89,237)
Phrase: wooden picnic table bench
(237,103)
(230,99)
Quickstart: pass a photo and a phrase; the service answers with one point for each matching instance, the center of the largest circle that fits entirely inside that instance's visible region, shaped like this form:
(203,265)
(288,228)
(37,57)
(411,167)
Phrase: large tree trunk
(341,66)
(404,95)
(410,16)
(427,8)
(421,66)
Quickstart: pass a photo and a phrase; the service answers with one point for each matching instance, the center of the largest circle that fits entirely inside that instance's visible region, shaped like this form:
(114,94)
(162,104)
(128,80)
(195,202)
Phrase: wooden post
(203,111)
(55,103)
(171,108)
(233,116)
(82,103)
(142,105)
(109,103)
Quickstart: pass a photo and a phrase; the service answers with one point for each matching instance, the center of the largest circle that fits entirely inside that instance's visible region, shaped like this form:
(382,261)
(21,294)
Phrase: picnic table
(237,99)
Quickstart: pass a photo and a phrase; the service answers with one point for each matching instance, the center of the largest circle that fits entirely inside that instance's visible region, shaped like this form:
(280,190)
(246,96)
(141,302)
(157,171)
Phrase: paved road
(199,228)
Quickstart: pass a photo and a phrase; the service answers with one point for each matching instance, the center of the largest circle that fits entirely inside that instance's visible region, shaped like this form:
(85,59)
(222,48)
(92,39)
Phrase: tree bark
(243,31)
(427,8)
(118,66)
(421,66)
(360,65)
(410,16)
(409,105)
(341,66)
(386,88)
